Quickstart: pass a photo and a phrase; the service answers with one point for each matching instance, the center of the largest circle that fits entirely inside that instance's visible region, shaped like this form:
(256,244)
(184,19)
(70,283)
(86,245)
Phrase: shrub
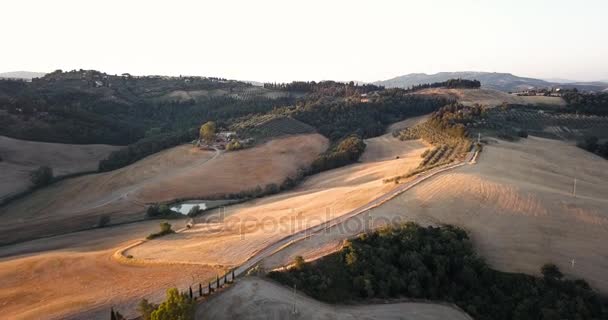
(194,211)
(41,176)
(234,145)
(271,188)
(165,228)
(299,262)
(550,271)
(522,133)
(177,306)
(146,308)
(160,211)
(104,220)
(207,131)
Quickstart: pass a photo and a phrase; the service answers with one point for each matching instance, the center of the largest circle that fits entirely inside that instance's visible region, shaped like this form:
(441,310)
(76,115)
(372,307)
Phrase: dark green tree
(41,176)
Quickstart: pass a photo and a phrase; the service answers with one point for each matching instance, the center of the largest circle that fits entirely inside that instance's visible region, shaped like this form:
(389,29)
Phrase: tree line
(339,118)
(328,88)
(347,151)
(439,263)
(595,103)
(592,144)
(450,84)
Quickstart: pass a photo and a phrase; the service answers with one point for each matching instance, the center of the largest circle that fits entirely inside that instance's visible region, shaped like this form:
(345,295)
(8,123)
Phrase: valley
(312,181)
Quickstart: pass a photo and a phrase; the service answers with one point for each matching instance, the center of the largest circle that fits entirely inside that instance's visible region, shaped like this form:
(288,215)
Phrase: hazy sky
(308,40)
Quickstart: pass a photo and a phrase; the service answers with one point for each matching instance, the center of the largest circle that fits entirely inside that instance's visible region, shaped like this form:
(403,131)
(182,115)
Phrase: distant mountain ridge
(27,75)
(506,82)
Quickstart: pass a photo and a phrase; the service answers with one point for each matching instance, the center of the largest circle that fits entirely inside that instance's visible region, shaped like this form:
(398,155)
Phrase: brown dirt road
(516,204)
(74,277)
(229,237)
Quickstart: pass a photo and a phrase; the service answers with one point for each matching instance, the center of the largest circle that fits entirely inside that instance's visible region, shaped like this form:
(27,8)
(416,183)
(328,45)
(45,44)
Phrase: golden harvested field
(517,205)
(91,281)
(74,277)
(254,298)
(231,236)
(490,97)
(20,157)
(180,172)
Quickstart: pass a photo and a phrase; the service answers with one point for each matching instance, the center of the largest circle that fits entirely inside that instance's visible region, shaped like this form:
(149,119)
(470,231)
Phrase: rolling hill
(493,80)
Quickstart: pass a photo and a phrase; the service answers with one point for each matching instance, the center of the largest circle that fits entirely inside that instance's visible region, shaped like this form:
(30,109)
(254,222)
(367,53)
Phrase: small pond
(185,206)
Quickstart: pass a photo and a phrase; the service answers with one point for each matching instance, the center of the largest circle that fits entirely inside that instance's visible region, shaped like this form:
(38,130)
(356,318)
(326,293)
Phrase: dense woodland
(337,118)
(331,88)
(92,107)
(450,84)
(439,264)
(592,144)
(586,103)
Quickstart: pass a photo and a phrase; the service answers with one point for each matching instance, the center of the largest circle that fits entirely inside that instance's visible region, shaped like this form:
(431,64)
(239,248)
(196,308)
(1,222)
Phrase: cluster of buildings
(222,139)
(554,92)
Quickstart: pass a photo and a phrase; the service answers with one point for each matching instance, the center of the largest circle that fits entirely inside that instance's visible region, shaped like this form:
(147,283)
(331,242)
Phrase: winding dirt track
(181,244)
(516,204)
(73,276)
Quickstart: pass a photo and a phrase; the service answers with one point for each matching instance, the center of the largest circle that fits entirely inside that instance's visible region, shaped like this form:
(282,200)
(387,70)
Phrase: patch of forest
(449,84)
(336,117)
(264,126)
(439,264)
(447,131)
(594,103)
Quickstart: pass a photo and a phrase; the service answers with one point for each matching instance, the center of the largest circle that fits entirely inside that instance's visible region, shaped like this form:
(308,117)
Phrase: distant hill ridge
(25,75)
(506,82)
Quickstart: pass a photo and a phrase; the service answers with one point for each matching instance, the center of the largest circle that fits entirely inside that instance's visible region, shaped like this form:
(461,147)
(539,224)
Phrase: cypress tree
(232,275)
(112,315)
(217,282)
(190,293)
(200,289)
(209,292)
